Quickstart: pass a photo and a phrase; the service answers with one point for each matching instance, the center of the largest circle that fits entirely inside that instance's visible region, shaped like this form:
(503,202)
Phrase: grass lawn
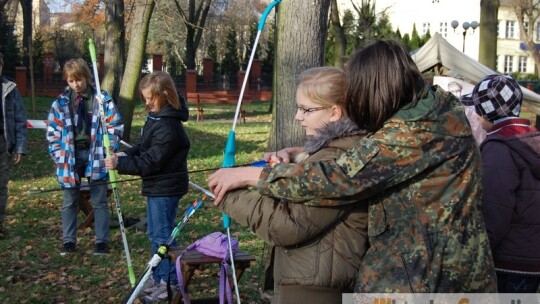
(32,271)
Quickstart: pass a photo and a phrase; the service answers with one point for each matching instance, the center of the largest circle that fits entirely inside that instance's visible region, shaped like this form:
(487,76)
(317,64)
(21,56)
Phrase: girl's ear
(336,113)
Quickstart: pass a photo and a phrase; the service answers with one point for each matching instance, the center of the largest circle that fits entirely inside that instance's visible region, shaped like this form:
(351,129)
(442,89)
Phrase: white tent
(440,55)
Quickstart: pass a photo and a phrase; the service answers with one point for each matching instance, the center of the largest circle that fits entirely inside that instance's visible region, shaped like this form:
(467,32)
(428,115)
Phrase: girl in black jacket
(161,160)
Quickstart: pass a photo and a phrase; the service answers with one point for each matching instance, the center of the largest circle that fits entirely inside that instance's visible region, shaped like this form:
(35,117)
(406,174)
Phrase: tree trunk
(27,29)
(3,17)
(137,45)
(339,34)
(190,34)
(10,8)
(525,12)
(488,33)
(195,21)
(300,45)
(115,47)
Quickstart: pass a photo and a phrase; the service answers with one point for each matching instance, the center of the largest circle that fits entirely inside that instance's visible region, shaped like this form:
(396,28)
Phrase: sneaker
(101,249)
(160,293)
(67,248)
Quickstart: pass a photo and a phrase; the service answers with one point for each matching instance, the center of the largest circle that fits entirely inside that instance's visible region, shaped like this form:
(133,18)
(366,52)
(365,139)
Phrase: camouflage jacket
(422,172)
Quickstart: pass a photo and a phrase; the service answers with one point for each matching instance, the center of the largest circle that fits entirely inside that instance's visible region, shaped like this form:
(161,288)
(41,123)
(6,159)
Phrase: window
(537,31)
(522,68)
(508,64)
(526,26)
(443,29)
(425,28)
(510,29)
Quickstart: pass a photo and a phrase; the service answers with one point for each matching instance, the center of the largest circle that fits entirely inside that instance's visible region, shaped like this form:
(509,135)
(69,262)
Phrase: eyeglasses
(309,110)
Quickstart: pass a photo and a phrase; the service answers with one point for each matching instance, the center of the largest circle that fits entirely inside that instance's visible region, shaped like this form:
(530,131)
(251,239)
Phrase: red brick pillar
(208,71)
(255,72)
(48,67)
(20,79)
(240,76)
(157,62)
(191,81)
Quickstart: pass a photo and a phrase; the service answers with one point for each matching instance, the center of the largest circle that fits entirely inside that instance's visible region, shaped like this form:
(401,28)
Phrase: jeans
(161,214)
(4,178)
(98,196)
(516,283)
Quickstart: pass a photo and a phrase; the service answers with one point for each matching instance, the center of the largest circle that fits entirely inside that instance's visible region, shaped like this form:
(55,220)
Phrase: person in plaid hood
(75,136)
(511,166)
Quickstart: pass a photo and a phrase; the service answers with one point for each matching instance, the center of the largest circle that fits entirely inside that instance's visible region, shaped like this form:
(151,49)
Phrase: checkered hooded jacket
(60,135)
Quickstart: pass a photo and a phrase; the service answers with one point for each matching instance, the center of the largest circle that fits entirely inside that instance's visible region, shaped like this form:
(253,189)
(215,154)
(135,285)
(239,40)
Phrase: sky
(61,6)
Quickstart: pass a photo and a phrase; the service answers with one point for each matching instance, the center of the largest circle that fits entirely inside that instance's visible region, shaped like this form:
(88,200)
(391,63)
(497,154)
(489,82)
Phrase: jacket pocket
(297,265)
(377,222)
(415,266)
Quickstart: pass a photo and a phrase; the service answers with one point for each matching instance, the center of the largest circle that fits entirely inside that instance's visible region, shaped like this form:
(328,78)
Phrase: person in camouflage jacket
(419,166)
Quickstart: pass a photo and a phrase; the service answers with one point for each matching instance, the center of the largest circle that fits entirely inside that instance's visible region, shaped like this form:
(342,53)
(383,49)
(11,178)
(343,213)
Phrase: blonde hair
(78,69)
(323,85)
(161,86)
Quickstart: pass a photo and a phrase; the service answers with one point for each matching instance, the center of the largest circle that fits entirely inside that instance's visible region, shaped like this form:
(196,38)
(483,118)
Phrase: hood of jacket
(436,111)
(169,112)
(525,145)
(330,132)
(7,85)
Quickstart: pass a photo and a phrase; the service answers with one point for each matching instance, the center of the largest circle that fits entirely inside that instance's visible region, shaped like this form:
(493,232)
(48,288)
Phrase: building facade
(438,16)
(512,56)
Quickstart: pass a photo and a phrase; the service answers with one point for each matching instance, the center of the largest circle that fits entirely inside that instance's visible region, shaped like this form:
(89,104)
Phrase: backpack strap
(224,285)
(180,277)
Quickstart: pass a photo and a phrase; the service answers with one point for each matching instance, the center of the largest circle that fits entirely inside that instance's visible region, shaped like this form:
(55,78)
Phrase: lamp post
(466,26)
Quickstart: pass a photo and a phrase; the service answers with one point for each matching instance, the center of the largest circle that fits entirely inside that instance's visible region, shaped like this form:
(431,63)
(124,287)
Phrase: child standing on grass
(12,136)
(75,136)
(161,160)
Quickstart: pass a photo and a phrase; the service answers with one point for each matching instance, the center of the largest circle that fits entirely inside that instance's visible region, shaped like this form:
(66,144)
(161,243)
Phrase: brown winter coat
(317,250)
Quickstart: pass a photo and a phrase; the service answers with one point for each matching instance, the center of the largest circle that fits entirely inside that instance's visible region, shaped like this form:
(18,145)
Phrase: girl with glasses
(316,252)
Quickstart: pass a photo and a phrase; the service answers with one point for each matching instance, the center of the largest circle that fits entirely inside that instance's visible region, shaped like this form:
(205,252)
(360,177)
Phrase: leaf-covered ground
(31,268)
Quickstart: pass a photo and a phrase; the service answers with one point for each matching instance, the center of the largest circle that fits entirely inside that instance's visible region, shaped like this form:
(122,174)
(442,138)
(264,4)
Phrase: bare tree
(366,20)
(527,13)
(27,28)
(132,72)
(194,19)
(339,34)
(488,33)
(115,47)
(9,10)
(300,45)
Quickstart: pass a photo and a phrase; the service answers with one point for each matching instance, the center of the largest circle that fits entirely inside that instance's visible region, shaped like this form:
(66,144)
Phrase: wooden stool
(192,260)
(85,205)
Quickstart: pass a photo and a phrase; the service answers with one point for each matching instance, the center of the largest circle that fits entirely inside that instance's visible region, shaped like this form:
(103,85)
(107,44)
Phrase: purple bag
(216,245)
